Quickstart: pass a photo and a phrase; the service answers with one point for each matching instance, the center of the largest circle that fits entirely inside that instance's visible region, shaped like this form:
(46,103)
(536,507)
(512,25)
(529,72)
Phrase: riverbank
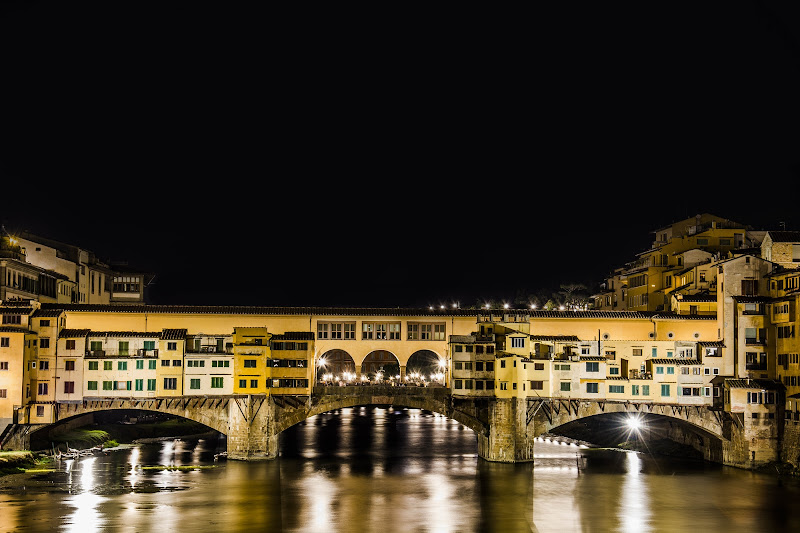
(20,462)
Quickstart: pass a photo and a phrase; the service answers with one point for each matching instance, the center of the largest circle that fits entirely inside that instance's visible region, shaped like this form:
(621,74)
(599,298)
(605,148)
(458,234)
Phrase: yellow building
(170,354)
(290,370)
(47,325)
(785,323)
(16,351)
(472,365)
(251,353)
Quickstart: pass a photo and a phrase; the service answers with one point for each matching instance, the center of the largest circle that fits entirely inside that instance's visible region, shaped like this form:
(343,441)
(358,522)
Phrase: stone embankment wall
(790,445)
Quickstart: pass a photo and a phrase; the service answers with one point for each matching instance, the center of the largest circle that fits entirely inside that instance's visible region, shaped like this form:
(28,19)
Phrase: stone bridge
(505,428)
(712,432)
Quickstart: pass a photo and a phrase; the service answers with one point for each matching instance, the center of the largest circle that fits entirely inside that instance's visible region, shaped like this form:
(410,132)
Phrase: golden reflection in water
(133,460)
(86,516)
(442,516)
(321,493)
(555,480)
(634,508)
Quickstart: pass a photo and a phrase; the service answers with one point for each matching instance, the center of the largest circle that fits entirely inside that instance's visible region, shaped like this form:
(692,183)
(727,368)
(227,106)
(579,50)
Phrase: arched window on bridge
(336,365)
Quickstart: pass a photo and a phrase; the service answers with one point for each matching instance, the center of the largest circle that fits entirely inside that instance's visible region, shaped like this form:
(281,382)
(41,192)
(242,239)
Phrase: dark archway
(381,365)
(122,424)
(645,432)
(336,365)
(425,365)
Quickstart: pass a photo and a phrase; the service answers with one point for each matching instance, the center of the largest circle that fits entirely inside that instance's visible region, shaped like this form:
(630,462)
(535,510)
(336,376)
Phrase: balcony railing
(210,349)
(141,352)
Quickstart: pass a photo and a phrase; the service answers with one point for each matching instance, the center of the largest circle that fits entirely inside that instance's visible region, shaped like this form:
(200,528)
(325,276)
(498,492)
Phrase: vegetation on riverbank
(20,462)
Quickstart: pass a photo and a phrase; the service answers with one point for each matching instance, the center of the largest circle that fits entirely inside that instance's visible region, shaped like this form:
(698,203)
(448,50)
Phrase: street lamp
(321,364)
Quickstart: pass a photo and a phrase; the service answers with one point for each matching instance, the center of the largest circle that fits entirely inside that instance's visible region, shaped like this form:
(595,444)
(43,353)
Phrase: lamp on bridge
(321,364)
(635,425)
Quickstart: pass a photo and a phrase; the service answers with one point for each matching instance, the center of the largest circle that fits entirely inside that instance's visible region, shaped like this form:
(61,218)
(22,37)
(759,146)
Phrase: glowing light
(634,423)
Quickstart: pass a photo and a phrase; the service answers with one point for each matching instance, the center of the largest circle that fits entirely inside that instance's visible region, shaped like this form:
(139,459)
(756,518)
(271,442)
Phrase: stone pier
(251,433)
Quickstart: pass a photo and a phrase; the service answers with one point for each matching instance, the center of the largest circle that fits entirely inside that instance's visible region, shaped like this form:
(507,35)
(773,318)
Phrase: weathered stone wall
(250,432)
(509,440)
(790,445)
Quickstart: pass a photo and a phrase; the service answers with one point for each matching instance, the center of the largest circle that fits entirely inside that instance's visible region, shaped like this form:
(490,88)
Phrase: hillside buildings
(43,270)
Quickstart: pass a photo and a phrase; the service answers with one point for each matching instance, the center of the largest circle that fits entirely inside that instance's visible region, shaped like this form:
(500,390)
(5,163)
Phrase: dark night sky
(389,158)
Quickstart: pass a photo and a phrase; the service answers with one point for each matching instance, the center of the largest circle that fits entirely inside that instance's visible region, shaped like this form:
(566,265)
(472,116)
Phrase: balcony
(210,349)
(636,374)
(141,352)
(753,341)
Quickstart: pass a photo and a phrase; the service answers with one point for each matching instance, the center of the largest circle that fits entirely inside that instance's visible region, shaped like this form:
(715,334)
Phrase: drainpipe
(735,339)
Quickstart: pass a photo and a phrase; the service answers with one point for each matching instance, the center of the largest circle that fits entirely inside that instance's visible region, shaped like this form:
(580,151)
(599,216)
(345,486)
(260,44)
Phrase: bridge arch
(332,398)
(610,423)
(212,414)
(426,365)
(336,365)
(380,365)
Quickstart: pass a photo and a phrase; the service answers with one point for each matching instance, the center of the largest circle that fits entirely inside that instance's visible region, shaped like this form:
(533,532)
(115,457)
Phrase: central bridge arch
(331,398)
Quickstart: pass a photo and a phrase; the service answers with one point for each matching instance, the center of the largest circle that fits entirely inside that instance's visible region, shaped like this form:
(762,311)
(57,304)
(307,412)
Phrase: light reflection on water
(391,470)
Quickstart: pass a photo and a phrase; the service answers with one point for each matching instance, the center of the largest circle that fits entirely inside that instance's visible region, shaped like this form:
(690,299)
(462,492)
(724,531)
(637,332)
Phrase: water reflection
(392,470)
(85,516)
(634,515)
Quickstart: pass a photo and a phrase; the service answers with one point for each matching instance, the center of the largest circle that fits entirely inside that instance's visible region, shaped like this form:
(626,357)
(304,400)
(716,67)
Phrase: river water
(392,470)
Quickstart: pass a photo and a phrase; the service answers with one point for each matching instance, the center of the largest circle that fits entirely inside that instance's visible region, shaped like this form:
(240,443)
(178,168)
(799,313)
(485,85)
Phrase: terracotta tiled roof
(754,384)
(39,313)
(785,236)
(15,310)
(618,314)
(173,334)
(137,334)
(713,344)
(73,333)
(255,310)
(555,338)
(13,329)
(294,336)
